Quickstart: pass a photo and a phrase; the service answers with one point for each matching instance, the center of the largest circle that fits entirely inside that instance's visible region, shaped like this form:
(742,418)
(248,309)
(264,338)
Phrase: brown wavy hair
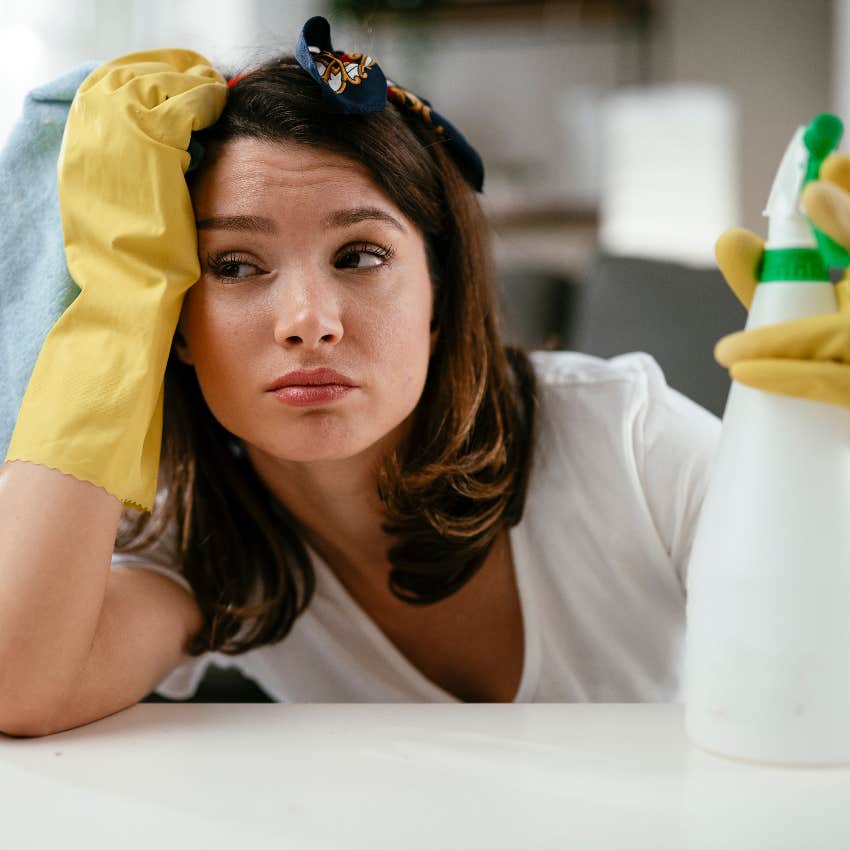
(459,476)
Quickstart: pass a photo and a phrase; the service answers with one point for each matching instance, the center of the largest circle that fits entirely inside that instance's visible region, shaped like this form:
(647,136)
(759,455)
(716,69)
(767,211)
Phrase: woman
(371,280)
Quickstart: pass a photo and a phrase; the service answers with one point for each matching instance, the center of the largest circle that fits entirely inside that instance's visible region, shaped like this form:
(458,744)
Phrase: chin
(316,454)
(317,445)
(325,436)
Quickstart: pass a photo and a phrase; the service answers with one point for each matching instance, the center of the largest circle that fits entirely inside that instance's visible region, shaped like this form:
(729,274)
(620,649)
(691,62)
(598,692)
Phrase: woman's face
(305,264)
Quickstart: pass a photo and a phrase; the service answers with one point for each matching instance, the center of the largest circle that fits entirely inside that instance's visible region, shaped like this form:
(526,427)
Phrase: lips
(312,388)
(311,378)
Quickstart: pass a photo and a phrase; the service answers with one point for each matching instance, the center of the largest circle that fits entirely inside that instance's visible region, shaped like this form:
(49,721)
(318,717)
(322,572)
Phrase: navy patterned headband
(353,83)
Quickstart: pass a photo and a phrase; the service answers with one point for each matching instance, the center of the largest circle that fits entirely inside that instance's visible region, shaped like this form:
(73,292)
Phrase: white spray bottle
(767,661)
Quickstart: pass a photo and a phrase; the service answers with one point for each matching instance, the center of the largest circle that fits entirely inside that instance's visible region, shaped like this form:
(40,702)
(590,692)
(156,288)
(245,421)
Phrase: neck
(337,507)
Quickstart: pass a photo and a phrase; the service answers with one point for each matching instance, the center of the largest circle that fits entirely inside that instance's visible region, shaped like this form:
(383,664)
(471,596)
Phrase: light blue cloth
(35,287)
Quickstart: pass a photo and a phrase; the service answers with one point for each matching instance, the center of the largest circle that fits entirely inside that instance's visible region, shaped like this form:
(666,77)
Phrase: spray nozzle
(821,137)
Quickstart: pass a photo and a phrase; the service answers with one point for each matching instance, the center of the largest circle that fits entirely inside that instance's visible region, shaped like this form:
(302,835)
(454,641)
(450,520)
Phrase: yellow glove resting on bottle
(93,405)
(806,358)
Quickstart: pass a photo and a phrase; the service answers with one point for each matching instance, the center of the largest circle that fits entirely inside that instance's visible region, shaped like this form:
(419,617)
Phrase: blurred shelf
(548,217)
(619,12)
(561,238)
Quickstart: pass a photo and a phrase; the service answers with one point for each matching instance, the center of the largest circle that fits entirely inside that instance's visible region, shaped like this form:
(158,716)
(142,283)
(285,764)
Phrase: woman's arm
(78,639)
(56,539)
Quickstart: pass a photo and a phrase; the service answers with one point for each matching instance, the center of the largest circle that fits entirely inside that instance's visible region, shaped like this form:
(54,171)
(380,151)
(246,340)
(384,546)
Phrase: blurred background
(619,138)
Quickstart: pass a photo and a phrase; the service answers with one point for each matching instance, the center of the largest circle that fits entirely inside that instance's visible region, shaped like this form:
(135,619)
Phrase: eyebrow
(260,224)
(345,218)
(254,223)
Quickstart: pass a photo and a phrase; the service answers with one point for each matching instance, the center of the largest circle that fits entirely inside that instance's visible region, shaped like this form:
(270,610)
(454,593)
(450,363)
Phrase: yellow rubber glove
(93,405)
(806,358)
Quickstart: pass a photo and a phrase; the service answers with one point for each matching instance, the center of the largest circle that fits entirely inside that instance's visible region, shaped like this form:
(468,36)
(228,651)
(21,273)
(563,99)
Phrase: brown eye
(364,257)
(227,267)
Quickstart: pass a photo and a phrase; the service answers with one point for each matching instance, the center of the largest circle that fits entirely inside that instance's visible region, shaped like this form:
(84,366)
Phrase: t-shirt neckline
(531,637)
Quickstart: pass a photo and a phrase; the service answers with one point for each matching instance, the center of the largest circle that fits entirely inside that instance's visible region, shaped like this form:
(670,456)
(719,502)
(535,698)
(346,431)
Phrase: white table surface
(405,777)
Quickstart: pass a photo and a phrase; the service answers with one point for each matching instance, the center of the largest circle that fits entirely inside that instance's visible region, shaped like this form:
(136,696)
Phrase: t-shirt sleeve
(160,556)
(678,440)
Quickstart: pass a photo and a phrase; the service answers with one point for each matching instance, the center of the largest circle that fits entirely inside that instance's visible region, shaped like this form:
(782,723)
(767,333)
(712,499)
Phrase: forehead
(247,172)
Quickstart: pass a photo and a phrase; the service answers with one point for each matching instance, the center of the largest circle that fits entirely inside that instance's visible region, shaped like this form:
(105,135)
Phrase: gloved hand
(93,405)
(806,358)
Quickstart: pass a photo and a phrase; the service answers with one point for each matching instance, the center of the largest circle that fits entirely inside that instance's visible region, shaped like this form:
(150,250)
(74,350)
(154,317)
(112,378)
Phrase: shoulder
(590,380)
(617,404)
(573,367)
(160,554)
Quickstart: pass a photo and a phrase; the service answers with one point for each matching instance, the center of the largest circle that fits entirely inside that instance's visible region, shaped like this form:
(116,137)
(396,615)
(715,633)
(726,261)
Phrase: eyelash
(218,262)
(386,253)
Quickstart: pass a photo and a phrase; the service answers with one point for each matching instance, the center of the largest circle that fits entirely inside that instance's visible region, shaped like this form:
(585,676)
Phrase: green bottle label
(798,264)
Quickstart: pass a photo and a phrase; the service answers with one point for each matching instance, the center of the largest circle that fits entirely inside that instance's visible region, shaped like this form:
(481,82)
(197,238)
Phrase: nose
(308,315)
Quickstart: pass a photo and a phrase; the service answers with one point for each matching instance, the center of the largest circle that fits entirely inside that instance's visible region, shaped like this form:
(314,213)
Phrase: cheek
(401,340)
(219,342)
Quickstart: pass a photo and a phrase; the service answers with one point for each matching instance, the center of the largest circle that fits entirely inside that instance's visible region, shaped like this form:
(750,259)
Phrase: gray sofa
(675,313)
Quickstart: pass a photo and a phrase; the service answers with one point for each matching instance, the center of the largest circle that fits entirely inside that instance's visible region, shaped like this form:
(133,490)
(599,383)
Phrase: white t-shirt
(618,479)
